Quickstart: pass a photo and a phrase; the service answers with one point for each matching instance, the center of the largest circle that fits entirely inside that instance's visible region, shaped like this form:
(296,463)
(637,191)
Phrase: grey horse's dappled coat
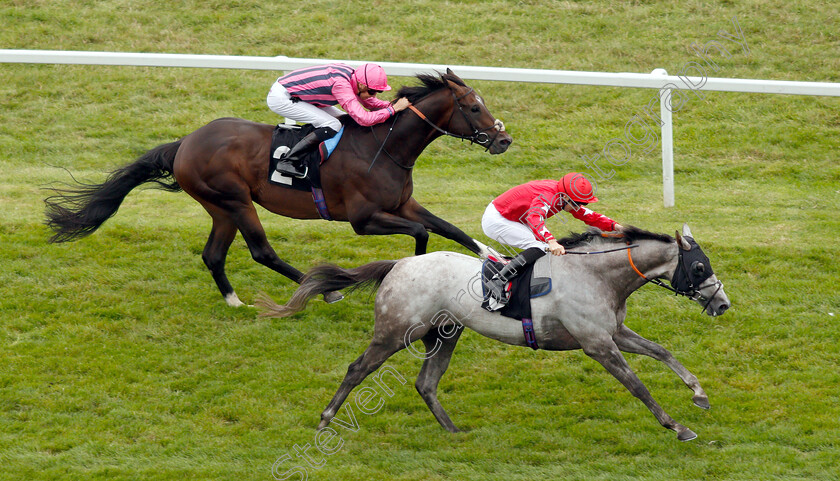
(433,296)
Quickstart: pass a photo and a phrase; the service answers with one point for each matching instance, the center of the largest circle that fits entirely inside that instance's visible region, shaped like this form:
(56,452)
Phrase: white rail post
(667,142)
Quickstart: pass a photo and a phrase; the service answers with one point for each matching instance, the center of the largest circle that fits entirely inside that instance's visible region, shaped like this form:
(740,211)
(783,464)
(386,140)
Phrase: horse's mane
(431,83)
(630,234)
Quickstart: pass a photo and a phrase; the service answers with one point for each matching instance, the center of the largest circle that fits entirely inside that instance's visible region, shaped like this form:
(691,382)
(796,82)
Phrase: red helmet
(578,187)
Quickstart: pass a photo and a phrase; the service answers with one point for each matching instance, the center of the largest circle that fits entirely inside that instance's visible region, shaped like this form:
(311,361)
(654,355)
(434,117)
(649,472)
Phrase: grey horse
(433,296)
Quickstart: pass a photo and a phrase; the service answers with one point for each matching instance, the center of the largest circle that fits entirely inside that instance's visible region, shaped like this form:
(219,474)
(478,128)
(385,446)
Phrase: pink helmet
(578,187)
(373,76)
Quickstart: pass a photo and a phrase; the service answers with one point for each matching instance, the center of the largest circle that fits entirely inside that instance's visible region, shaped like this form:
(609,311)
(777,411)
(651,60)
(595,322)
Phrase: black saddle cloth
(524,287)
(287,136)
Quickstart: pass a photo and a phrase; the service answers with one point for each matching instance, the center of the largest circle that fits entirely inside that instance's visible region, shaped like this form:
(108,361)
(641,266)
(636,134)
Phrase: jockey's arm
(343,93)
(592,218)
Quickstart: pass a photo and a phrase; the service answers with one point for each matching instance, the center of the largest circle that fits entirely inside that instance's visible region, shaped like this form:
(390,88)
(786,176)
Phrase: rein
(653,281)
(382,147)
(479,136)
(627,248)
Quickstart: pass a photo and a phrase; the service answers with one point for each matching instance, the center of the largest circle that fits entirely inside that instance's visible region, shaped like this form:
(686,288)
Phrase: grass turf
(121,361)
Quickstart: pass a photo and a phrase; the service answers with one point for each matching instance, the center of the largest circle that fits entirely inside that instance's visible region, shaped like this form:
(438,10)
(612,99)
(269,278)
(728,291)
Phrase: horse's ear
(451,75)
(682,243)
(686,231)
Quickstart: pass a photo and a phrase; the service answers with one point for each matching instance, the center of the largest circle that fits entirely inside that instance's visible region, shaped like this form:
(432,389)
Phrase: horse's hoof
(686,435)
(702,402)
(324,423)
(333,297)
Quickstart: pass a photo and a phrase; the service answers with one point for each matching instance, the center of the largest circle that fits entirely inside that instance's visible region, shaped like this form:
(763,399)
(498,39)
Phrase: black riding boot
(496,285)
(290,164)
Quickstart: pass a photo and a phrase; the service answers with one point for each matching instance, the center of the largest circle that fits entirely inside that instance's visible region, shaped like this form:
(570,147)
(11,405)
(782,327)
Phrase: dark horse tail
(326,278)
(78,211)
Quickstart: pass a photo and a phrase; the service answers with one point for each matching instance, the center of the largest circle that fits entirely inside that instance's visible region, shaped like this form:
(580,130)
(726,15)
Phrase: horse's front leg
(412,210)
(629,341)
(605,351)
(383,223)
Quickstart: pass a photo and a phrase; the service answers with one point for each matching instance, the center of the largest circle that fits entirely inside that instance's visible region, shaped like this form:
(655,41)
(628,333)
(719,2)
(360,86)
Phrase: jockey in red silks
(517,218)
(309,95)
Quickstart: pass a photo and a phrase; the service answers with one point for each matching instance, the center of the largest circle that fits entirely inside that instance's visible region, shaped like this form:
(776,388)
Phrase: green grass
(120,360)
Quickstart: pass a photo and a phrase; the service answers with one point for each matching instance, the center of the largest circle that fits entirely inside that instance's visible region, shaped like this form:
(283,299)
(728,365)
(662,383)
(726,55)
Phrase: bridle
(688,288)
(478,136)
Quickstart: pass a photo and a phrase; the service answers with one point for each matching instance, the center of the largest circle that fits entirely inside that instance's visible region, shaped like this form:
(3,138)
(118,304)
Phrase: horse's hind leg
(248,222)
(629,341)
(252,230)
(215,252)
(606,352)
(439,352)
(374,356)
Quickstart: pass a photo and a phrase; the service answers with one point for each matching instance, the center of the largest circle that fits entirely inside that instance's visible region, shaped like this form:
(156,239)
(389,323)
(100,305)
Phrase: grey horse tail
(326,278)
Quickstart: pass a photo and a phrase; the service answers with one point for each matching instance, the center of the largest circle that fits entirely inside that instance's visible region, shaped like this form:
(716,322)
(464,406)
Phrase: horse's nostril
(723,308)
(505,142)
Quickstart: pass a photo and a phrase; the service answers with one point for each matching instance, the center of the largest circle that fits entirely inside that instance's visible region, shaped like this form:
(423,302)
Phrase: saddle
(283,138)
(530,282)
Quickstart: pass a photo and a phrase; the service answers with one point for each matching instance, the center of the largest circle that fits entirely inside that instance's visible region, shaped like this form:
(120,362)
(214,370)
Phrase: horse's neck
(413,134)
(395,144)
(652,258)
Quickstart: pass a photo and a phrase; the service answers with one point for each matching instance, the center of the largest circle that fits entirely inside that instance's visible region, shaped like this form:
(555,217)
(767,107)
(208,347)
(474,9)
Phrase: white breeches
(508,232)
(280,102)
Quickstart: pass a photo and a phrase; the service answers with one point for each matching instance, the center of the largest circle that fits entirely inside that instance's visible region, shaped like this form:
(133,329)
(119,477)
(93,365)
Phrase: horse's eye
(698,267)
(475,109)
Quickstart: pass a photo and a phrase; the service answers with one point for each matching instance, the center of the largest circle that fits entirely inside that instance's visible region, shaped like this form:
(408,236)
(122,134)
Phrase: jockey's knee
(332,123)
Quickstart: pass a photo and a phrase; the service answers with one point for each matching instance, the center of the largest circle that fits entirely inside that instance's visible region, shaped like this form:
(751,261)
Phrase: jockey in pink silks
(310,95)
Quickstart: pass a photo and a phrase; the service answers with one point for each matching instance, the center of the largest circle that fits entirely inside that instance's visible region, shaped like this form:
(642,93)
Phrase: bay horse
(367,180)
(432,297)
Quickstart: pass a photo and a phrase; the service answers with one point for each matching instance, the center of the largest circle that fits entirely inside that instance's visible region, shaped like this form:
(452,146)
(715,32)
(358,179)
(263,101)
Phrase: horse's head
(695,278)
(475,121)
(461,112)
